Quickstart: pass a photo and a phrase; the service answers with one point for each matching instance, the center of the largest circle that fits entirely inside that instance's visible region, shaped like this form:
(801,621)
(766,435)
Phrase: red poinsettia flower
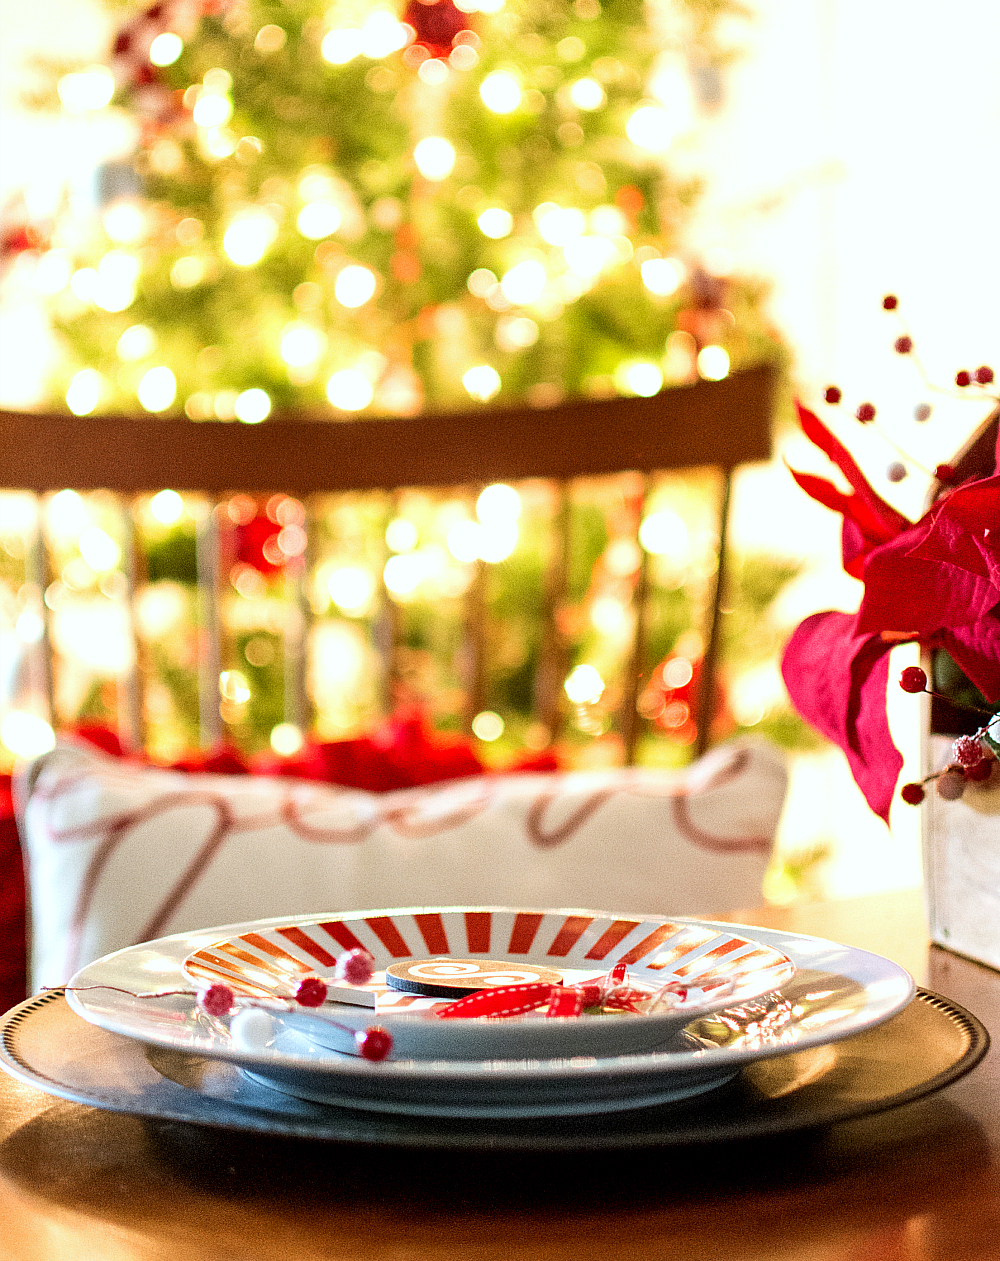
(935,581)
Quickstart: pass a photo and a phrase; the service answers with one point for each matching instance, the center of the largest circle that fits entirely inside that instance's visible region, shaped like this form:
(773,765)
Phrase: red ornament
(256,545)
(311,992)
(984,375)
(912,794)
(436,23)
(945,473)
(912,679)
(865,413)
(890,302)
(963,378)
(903,345)
(374,1043)
(833,394)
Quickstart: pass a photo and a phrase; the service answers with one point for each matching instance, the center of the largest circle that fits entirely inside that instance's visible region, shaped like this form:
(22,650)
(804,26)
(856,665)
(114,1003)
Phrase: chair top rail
(722,423)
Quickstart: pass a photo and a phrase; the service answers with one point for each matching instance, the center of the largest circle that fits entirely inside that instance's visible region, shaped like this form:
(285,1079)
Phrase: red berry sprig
(973,761)
(913,680)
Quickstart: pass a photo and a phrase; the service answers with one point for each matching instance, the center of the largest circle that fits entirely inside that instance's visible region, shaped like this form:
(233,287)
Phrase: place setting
(491,1027)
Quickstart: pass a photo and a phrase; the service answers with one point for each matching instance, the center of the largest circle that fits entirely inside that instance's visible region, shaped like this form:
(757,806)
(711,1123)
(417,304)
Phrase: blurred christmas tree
(393,210)
(359,208)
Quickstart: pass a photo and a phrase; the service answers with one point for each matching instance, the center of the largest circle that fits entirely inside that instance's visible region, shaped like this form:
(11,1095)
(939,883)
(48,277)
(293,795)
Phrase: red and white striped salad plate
(710,967)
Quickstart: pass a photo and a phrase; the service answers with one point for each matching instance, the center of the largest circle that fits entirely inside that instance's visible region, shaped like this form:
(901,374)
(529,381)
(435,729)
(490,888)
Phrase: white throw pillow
(119,854)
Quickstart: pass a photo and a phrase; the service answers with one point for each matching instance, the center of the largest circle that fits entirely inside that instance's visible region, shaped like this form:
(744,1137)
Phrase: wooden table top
(917,1183)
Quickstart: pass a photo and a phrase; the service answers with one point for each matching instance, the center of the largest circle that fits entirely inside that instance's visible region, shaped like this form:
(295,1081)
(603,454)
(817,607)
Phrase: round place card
(447,977)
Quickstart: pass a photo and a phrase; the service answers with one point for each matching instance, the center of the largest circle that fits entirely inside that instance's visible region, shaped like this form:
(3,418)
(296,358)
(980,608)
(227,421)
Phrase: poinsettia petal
(854,549)
(965,530)
(890,522)
(862,529)
(836,678)
(904,592)
(976,651)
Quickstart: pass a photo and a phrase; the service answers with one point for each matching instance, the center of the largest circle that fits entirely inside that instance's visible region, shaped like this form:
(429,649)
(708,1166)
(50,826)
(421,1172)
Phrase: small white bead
(252,1029)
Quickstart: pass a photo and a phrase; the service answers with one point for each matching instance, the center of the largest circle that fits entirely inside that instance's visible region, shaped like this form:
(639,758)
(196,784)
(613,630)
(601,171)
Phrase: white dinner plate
(836,991)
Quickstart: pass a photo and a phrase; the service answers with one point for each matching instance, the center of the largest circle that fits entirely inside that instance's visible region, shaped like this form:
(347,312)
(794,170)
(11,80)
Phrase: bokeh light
(498,503)
(318,219)
(86,90)
(157,389)
(248,238)
(482,382)
(349,390)
(351,587)
(26,735)
(99,549)
(487,726)
(649,128)
(524,282)
(501,93)
(495,223)
(286,739)
(354,286)
(662,276)
(167,507)
(252,406)
(401,535)
(84,391)
(165,49)
(584,686)
(664,534)
(713,363)
(434,157)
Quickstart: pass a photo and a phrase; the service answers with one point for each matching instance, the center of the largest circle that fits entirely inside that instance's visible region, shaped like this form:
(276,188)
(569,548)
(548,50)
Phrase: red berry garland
(866,413)
(833,394)
(912,794)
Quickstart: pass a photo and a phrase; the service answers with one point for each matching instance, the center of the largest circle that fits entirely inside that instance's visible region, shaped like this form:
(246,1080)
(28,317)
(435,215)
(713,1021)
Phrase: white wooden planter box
(961,851)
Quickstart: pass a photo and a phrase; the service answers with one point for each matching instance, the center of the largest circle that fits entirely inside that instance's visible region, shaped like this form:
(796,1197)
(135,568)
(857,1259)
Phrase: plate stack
(730,997)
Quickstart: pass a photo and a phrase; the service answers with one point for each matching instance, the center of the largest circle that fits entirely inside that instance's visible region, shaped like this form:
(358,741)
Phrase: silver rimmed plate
(836,991)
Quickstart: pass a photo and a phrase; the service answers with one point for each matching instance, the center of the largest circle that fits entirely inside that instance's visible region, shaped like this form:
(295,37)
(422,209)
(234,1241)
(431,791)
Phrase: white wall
(856,155)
